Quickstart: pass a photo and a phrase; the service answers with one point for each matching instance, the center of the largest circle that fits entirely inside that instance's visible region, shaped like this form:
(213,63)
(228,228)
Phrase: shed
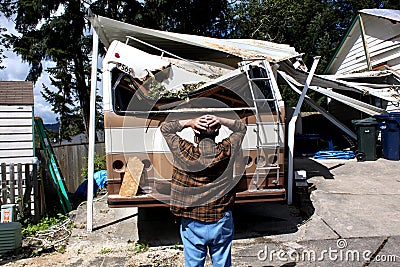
(17,153)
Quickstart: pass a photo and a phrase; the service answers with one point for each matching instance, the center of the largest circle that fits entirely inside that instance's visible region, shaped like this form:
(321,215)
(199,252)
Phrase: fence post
(28,189)
(20,191)
(3,184)
(36,193)
(12,184)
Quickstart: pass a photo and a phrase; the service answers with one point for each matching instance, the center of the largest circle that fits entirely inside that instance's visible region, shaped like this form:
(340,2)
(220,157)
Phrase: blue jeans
(199,236)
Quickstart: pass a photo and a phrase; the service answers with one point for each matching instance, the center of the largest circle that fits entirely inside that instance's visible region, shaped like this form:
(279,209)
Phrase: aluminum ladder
(262,98)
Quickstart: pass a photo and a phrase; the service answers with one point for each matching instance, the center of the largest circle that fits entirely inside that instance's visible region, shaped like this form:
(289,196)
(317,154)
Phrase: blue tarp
(331,154)
(100,181)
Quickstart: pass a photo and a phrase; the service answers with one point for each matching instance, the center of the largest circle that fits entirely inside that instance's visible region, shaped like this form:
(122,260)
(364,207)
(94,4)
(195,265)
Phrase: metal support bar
(365,43)
(92,132)
(328,116)
(292,128)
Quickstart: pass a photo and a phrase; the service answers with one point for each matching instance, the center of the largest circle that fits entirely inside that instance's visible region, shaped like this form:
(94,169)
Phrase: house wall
(382,43)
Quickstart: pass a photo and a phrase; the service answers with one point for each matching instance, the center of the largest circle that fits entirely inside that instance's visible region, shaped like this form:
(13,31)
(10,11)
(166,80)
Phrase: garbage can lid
(365,122)
(392,117)
(395,116)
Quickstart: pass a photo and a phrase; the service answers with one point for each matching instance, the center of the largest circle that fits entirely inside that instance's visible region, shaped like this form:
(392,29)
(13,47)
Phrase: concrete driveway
(356,221)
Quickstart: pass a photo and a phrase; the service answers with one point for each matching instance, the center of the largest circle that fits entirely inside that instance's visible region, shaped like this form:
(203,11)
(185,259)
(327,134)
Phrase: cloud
(17,70)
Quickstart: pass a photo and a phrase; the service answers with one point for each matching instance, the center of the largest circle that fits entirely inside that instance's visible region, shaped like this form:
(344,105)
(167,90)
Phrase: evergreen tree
(63,102)
(54,30)
(200,17)
(313,27)
(1,52)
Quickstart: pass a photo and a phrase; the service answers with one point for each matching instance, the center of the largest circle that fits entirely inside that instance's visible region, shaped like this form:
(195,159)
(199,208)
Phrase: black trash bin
(389,125)
(366,138)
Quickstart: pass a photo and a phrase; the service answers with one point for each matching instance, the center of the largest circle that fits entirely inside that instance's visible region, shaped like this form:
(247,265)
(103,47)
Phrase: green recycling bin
(366,138)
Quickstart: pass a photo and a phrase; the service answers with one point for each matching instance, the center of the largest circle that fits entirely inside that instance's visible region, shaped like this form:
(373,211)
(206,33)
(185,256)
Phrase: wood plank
(16,130)
(36,201)
(22,160)
(16,122)
(17,108)
(16,145)
(20,191)
(28,189)
(12,184)
(16,137)
(133,173)
(3,184)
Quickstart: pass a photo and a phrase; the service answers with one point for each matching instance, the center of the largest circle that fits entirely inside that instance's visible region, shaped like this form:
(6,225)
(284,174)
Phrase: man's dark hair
(209,133)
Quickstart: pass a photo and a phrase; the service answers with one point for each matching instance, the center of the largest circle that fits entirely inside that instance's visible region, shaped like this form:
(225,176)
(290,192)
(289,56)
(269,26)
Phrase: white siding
(16,134)
(383,42)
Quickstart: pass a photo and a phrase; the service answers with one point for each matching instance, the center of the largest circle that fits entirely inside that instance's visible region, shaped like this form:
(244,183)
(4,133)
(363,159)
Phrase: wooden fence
(72,159)
(20,185)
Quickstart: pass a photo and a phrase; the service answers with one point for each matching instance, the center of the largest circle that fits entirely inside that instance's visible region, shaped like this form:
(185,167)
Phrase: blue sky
(16,70)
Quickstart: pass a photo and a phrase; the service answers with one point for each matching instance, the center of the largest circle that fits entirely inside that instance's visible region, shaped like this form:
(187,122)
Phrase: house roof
(372,42)
(16,93)
(391,14)
(227,51)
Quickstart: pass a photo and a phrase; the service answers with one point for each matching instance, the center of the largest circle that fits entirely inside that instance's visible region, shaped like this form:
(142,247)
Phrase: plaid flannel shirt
(202,186)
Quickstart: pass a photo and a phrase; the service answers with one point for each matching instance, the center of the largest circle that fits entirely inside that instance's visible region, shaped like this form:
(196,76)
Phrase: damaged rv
(151,76)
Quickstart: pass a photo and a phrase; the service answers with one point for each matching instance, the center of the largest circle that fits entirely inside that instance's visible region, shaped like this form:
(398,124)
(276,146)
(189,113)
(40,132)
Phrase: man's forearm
(227,122)
(233,125)
(185,123)
(170,127)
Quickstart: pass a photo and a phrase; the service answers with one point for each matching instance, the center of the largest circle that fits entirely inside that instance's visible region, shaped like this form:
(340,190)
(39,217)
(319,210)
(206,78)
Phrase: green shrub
(99,164)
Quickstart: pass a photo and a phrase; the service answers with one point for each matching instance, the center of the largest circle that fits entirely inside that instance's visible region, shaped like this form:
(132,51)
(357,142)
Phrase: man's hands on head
(203,123)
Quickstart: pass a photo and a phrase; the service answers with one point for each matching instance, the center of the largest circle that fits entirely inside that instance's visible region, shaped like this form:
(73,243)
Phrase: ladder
(53,166)
(264,97)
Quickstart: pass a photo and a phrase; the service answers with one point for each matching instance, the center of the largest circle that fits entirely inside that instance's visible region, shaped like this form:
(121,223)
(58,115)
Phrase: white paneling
(16,137)
(134,140)
(16,145)
(15,130)
(383,46)
(16,122)
(16,108)
(12,153)
(19,114)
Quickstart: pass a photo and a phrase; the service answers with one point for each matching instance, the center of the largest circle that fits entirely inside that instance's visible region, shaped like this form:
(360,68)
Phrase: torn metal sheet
(381,84)
(388,92)
(227,51)
(359,105)
(318,108)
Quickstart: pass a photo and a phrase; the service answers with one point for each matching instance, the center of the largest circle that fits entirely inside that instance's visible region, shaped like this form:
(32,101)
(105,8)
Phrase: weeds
(141,247)
(44,224)
(106,250)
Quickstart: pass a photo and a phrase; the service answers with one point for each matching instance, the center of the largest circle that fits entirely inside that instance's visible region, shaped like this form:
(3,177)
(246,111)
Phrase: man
(202,190)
